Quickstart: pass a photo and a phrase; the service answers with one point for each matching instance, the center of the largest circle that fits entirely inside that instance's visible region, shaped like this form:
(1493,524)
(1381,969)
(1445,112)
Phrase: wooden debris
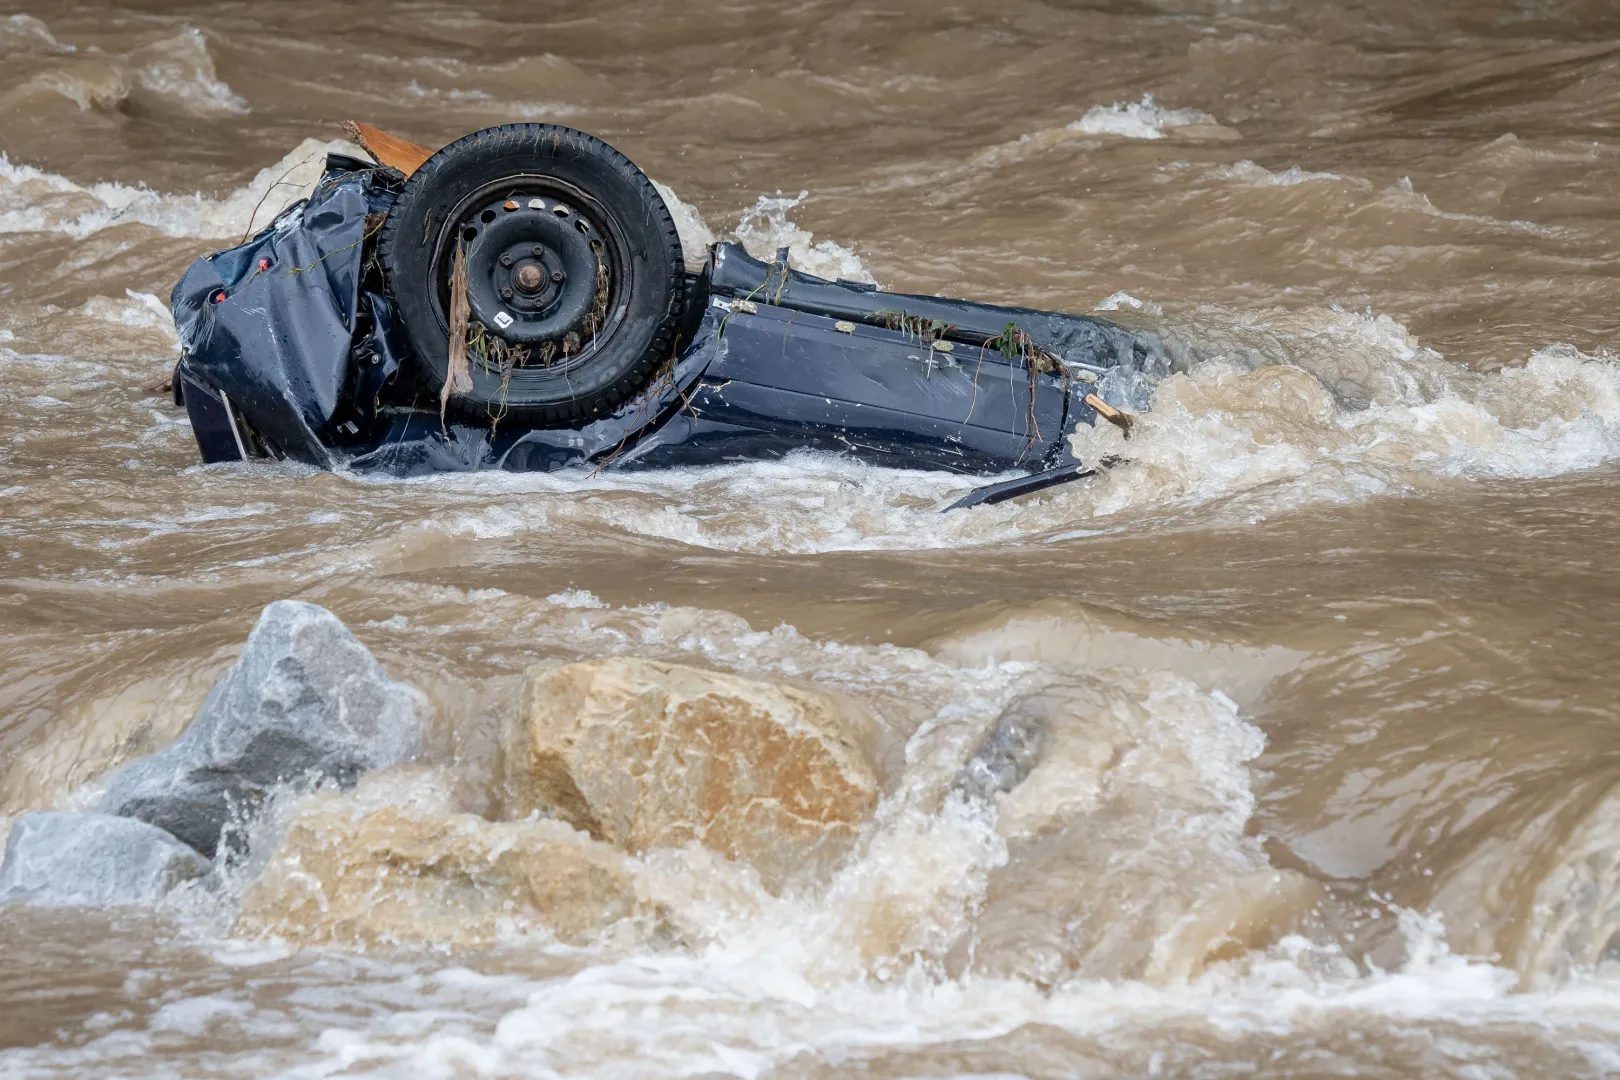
(386,149)
(1121,420)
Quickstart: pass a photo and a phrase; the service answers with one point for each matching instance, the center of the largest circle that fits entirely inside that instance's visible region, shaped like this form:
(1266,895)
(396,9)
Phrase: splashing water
(1143,119)
(32,200)
(765,227)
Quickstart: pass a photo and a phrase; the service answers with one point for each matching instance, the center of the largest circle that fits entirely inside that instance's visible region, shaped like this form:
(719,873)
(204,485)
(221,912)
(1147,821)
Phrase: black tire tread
(658,227)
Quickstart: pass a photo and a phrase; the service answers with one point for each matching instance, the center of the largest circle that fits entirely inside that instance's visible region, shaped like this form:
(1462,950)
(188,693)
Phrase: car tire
(536,209)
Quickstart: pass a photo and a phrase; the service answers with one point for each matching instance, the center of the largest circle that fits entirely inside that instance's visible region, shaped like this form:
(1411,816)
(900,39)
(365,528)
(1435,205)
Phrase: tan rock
(390,863)
(644,754)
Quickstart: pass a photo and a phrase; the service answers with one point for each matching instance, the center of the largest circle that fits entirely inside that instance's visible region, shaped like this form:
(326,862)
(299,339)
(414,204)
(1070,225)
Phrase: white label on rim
(503,320)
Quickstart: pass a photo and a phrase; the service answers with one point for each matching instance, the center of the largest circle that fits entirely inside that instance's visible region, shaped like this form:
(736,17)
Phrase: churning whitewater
(1286,745)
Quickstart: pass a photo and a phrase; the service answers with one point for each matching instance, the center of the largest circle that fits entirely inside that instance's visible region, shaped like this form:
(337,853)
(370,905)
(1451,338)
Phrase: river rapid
(1343,626)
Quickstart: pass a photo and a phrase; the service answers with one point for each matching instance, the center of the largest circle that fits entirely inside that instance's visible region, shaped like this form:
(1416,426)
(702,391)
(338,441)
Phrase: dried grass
(457,376)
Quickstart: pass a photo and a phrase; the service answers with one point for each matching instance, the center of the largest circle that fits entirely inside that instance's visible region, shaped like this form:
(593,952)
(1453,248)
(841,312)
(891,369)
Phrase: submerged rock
(393,862)
(304,701)
(1124,804)
(94,860)
(645,755)
(1010,752)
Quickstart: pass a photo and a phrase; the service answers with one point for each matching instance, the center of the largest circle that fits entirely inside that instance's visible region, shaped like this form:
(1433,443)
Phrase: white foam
(1274,413)
(762,229)
(1124,299)
(765,227)
(174,73)
(194,1015)
(1271,412)
(576,598)
(737,1013)
(180,69)
(30,34)
(1248,172)
(1144,119)
(32,200)
(807,502)
(696,236)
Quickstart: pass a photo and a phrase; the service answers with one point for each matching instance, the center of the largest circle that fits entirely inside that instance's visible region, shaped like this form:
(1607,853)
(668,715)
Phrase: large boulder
(69,859)
(304,702)
(644,755)
(394,862)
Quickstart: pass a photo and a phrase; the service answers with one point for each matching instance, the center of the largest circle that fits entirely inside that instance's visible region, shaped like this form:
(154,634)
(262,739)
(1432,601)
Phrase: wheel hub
(529,279)
(531,269)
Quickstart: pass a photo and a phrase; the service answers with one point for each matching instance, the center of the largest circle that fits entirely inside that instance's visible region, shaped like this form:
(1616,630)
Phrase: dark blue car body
(290,348)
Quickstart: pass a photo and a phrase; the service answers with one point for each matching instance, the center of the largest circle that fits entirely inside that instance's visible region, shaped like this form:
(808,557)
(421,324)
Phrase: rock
(97,860)
(645,755)
(304,701)
(1010,752)
(392,862)
(99,727)
(1123,800)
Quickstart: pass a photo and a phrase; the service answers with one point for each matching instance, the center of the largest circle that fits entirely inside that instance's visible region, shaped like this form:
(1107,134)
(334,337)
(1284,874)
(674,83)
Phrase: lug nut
(506,294)
(537,251)
(557,277)
(506,260)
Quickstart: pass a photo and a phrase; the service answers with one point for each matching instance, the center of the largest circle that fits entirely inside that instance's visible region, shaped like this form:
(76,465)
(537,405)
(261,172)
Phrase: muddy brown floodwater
(1343,627)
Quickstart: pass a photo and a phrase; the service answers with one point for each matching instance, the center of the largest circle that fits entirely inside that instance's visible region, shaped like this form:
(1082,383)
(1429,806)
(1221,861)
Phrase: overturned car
(520,300)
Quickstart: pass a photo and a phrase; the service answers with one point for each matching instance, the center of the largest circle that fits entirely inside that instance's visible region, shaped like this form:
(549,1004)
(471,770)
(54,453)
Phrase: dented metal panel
(1082,341)
(270,324)
(881,393)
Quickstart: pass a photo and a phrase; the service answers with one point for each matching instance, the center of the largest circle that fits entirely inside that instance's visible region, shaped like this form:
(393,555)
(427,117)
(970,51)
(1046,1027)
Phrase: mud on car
(520,300)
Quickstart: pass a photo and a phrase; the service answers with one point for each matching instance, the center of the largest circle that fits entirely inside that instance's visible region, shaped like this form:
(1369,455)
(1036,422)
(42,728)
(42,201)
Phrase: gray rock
(1011,750)
(62,860)
(304,702)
